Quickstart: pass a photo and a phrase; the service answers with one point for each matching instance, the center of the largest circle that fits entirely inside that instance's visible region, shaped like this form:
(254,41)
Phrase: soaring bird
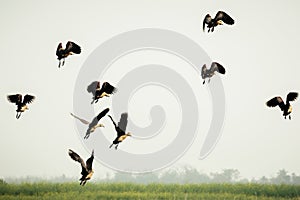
(218,20)
(87,170)
(71,48)
(94,124)
(121,128)
(21,105)
(208,73)
(286,107)
(97,92)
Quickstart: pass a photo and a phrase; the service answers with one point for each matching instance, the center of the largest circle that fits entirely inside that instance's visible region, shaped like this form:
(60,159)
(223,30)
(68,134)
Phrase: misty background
(259,53)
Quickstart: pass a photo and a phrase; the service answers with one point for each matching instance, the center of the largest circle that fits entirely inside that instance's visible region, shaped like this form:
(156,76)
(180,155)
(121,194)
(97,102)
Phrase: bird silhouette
(208,73)
(218,20)
(71,48)
(21,105)
(286,107)
(120,129)
(86,167)
(98,92)
(94,124)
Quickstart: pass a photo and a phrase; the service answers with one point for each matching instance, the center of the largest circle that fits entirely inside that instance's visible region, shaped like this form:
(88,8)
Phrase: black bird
(218,20)
(121,128)
(21,105)
(208,73)
(87,170)
(71,48)
(285,107)
(97,92)
(94,124)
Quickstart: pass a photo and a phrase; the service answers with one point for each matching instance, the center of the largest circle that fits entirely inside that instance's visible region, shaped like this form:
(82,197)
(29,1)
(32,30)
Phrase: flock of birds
(106,89)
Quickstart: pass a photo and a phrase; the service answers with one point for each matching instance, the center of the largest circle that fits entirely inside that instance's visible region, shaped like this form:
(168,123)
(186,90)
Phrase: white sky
(259,52)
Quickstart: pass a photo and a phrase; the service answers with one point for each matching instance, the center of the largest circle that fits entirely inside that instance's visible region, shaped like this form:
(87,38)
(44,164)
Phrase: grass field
(53,191)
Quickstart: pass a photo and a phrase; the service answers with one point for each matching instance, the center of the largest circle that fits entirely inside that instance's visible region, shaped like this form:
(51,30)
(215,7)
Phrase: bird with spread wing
(62,53)
(286,107)
(120,129)
(86,167)
(98,92)
(94,124)
(208,73)
(220,17)
(21,105)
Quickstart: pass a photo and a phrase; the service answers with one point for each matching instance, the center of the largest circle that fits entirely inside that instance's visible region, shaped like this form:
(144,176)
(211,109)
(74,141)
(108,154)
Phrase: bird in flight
(208,73)
(94,124)
(71,48)
(120,129)
(98,92)
(286,107)
(21,105)
(87,170)
(218,20)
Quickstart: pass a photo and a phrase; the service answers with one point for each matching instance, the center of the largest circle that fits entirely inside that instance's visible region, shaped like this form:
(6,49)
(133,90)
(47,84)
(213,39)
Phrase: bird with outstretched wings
(21,105)
(99,92)
(86,167)
(286,107)
(94,123)
(208,73)
(220,17)
(62,53)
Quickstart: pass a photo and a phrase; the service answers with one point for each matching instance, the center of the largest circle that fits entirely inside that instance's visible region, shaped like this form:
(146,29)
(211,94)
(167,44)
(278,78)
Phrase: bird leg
(111,145)
(290,117)
(204,81)
(59,64)
(116,147)
(63,62)
(209,80)
(18,115)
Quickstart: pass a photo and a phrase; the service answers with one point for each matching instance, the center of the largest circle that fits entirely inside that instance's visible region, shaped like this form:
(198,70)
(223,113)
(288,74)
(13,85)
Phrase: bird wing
(89,162)
(291,96)
(28,99)
(15,98)
(102,113)
(276,101)
(221,15)
(72,47)
(122,124)
(59,48)
(108,88)
(217,67)
(93,87)
(207,19)
(82,120)
(77,158)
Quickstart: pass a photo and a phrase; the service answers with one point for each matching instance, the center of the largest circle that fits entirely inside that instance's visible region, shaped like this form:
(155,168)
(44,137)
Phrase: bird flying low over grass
(94,124)
(208,73)
(98,92)
(120,129)
(286,107)
(71,48)
(86,167)
(21,105)
(218,20)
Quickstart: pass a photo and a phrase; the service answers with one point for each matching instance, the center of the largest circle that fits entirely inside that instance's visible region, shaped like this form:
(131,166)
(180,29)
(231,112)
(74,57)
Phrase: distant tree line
(181,176)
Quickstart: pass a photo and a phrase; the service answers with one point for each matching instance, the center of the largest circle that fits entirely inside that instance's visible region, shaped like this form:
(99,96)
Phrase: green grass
(74,191)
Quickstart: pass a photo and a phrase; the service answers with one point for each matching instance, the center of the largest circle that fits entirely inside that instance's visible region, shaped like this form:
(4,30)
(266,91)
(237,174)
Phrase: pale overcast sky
(260,54)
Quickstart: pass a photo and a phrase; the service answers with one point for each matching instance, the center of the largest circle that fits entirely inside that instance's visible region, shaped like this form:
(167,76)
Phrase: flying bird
(21,105)
(208,73)
(218,20)
(98,92)
(94,124)
(87,170)
(286,107)
(71,48)
(120,129)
